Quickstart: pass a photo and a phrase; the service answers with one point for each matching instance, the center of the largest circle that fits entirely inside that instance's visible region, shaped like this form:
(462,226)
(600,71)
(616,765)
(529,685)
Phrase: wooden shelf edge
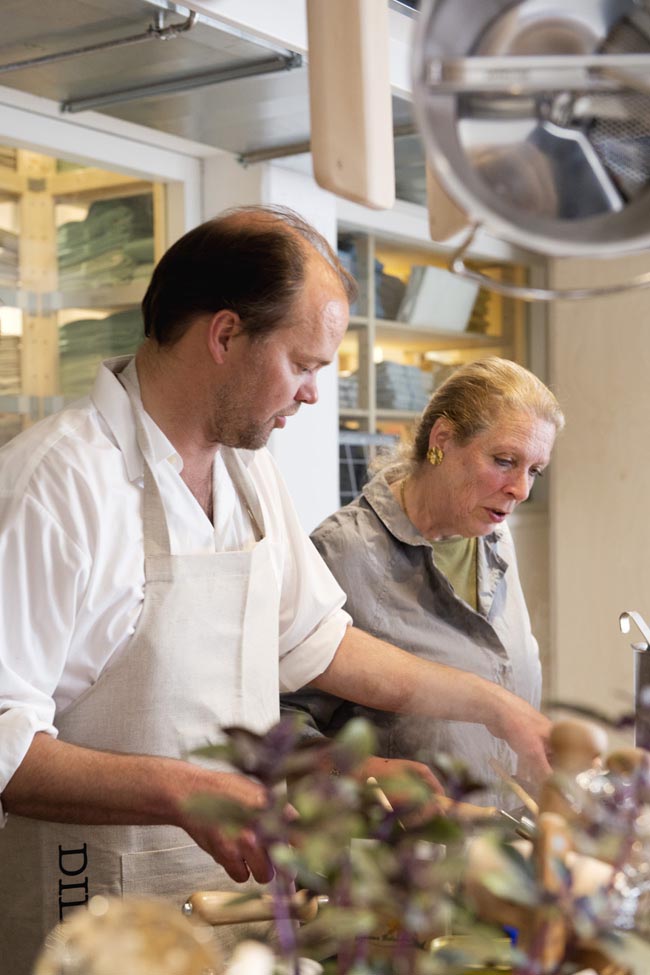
(384,326)
(381,414)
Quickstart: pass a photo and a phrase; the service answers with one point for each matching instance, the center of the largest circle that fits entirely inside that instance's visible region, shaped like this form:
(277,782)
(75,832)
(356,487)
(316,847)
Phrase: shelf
(105,297)
(78,259)
(397,331)
(416,358)
(384,414)
(353,413)
(15,298)
(348,413)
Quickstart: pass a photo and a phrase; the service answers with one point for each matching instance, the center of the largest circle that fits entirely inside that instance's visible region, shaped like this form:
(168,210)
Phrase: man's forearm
(61,782)
(379,675)
(65,783)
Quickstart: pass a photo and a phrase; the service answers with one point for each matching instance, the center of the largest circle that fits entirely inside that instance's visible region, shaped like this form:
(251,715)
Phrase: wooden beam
(11,181)
(95,183)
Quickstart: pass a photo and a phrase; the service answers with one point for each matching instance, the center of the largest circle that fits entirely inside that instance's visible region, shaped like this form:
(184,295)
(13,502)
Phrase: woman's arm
(377,674)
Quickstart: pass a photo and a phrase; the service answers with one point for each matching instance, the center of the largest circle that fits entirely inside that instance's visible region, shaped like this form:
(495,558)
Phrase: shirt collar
(381,499)
(112,400)
(114,405)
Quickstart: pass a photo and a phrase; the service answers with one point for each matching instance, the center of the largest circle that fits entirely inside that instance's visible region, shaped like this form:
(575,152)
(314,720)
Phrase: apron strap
(246,491)
(154,523)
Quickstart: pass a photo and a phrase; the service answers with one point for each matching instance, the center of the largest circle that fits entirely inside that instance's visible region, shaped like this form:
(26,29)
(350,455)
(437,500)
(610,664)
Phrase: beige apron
(204,655)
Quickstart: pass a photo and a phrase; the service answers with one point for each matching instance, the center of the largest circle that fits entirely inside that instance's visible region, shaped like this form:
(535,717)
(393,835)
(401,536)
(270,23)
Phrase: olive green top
(456,559)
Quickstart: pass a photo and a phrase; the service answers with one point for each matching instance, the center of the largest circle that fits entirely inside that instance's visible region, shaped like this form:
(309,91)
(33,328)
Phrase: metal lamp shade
(536,118)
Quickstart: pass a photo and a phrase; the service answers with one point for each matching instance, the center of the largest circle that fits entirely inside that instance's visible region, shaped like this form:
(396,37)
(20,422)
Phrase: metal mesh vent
(620,127)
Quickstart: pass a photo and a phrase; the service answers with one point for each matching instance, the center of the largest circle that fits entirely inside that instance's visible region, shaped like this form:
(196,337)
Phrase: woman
(427,559)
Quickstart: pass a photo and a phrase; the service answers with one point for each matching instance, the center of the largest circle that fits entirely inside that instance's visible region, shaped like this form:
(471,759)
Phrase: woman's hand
(389,769)
(527,731)
(385,774)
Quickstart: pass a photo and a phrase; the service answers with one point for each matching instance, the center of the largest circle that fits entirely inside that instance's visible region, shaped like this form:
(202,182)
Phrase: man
(157,585)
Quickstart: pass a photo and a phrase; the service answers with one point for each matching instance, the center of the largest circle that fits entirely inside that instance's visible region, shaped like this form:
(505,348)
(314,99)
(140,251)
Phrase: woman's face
(479,483)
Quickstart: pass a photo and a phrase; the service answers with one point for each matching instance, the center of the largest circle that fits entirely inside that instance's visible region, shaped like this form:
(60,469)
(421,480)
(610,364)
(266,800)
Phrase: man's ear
(222,328)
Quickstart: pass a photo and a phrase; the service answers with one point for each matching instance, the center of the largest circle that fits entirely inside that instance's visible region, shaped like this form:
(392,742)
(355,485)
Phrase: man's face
(269,378)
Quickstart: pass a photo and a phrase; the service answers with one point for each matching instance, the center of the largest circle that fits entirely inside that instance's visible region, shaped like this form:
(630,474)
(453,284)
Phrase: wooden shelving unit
(37,185)
(372,338)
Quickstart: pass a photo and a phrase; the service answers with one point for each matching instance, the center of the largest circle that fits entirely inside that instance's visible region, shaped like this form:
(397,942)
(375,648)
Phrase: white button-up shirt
(72,559)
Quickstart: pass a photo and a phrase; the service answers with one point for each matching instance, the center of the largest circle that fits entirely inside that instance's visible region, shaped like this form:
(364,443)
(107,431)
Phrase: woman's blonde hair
(473,399)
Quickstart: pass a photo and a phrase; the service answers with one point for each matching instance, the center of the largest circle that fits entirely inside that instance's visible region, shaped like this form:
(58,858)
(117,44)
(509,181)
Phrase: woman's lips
(496,516)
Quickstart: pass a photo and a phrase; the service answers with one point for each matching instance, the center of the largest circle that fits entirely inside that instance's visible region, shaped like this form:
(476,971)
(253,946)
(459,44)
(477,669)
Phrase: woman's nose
(519,485)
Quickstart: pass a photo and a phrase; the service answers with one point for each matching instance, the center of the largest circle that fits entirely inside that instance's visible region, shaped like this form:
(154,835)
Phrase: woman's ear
(441,433)
(222,328)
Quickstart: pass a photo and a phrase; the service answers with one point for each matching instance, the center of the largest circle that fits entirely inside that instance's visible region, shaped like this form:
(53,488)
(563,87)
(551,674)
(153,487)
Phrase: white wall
(600,482)
(529,526)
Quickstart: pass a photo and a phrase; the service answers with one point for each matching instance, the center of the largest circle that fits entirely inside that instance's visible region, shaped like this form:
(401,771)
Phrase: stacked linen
(400,387)
(83,344)
(389,290)
(10,378)
(113,245)
(10,423)
(348,391)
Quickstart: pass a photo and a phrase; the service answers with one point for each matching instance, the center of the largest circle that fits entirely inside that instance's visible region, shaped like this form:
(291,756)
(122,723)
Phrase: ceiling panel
(85,23)
(240,116)
(263,112)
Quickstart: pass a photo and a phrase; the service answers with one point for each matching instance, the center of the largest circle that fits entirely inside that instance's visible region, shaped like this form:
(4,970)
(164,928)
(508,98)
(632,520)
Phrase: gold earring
(435,455)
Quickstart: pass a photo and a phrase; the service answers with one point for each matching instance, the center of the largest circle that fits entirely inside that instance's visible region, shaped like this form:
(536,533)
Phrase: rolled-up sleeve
(312,621)
(39,570)
(305,662)
(312,618)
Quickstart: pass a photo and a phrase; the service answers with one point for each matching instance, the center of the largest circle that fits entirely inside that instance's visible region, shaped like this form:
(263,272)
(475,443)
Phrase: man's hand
(241,855)
(65,783)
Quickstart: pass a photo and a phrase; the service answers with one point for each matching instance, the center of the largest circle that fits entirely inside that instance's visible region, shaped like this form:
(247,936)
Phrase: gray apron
(204,655)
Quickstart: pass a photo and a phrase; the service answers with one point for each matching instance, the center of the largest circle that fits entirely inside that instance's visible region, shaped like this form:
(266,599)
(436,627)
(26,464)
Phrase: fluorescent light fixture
(169,86)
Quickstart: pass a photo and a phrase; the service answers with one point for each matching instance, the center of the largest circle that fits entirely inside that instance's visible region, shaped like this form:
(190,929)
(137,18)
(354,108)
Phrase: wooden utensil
(350,100)
(225,907)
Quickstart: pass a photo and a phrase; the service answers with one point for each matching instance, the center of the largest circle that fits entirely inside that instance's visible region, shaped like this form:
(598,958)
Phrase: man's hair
(249,260)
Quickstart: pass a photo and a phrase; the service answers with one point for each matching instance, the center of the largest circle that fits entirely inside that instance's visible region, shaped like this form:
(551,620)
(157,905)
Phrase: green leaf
(221,811)
(353,744)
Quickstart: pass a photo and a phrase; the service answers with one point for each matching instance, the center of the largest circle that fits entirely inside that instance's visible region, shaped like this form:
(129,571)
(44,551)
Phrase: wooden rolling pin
(226,907)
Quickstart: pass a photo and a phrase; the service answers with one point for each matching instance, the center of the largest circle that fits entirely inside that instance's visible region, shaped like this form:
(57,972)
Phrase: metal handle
(532,74)
(624,624)
(457,266)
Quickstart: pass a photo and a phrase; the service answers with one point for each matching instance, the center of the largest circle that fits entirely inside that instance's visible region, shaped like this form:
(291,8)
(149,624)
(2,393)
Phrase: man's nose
(308,391)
